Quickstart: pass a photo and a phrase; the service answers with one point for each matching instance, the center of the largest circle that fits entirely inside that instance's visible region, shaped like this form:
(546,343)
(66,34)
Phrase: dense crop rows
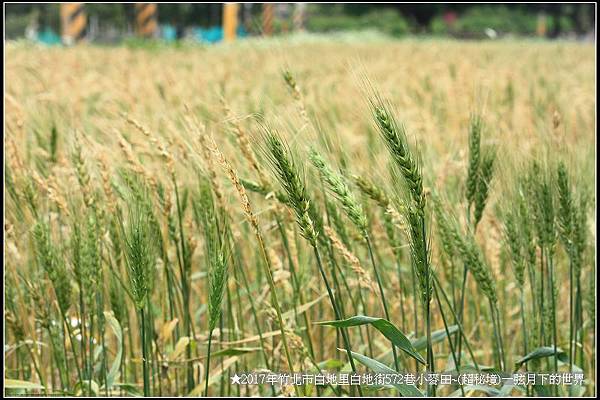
(174,216)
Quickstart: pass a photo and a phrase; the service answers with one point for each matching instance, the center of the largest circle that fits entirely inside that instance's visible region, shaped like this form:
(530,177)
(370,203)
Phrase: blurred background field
(113,23)
(80,117)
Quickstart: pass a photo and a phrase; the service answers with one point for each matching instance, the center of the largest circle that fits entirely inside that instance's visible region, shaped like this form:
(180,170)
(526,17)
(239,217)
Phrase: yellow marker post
(146,19)
(267,19)
(230,21)
(73,21)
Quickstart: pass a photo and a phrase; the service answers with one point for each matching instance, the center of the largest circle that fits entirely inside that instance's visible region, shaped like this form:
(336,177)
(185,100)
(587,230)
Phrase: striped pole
(299,16)
(230,21)
(146,19)
(74,21)
(267,19)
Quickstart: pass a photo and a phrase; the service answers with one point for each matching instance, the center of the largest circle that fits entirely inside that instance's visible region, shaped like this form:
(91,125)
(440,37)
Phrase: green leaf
(404,389)
(437,336)
(470,368)
(116,328)
(235,351)
(385,327)
(542,352)
(19,384)
(330,364)
(85,386)
(129,388)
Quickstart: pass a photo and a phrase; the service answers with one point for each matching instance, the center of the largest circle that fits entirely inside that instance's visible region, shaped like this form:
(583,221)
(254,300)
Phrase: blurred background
(211,23)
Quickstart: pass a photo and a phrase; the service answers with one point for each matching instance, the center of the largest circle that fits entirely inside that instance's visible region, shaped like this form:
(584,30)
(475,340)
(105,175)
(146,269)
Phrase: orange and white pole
(73,22)
(267,19)
(146,19)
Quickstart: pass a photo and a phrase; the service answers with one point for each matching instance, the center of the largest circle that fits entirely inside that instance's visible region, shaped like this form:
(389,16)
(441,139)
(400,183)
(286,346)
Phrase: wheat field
(175,216)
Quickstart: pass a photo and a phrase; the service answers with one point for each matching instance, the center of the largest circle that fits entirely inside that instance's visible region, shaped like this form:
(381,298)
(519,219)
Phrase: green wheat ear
(543,207)
(394,135)
(340,189)
(444,229)
(486,174)
(514,242)
(217,281)
(580,231)
(472,255)
(286,171)
(565,207)
(419,252)
(91,267)
(117,299)
(48,258)
(139,254)
(374,192)
(526,231)
(408,172)
(215,233)
(475,128)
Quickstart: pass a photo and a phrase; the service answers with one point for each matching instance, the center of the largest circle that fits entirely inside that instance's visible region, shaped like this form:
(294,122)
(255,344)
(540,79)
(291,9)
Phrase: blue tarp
(214,34)
(49,37)
(168,33)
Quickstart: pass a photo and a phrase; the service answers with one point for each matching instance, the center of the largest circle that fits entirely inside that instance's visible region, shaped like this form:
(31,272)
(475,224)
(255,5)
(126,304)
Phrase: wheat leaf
(404,389)
(382,325)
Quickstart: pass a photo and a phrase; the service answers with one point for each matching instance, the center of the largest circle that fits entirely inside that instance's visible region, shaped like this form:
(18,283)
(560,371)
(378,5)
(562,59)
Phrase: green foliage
(15,25)
(504,20)
(501,19)
(387,21)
